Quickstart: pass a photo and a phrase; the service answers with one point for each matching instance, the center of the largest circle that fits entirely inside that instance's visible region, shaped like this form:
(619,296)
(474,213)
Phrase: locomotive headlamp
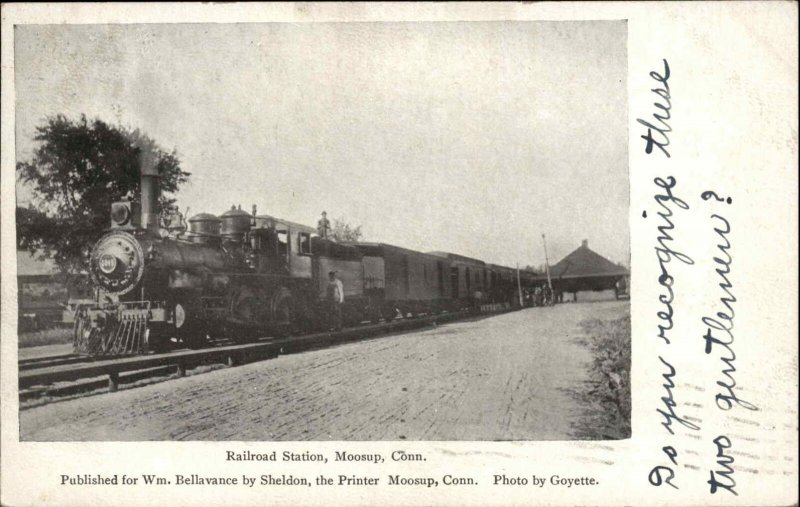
(120,213)
(107,263)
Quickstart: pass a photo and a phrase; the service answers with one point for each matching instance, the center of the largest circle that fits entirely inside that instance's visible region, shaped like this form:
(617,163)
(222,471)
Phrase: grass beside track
(52,336)
(609,394)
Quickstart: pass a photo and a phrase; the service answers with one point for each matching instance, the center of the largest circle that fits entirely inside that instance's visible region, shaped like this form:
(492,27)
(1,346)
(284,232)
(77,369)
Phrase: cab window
(304,243)
(283,243)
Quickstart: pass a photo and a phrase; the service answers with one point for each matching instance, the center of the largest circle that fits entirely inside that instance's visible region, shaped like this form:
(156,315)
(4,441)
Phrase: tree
(78,169)
(342,231)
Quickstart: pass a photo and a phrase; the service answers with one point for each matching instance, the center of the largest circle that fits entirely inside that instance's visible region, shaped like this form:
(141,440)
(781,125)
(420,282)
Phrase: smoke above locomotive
(238,276)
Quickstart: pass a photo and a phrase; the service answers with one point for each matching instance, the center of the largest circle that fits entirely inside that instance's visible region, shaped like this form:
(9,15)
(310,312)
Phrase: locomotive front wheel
(190,326)
(159,338)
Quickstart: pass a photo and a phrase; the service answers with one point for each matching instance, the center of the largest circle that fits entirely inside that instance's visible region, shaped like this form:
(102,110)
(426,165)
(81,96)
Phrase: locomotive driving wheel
(244,312)
(284,314)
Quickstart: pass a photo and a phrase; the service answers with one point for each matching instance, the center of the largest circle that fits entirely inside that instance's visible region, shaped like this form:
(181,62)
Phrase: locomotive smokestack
(149,188)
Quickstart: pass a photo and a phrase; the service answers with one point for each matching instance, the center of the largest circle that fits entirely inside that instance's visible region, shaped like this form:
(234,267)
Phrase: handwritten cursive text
(657,134)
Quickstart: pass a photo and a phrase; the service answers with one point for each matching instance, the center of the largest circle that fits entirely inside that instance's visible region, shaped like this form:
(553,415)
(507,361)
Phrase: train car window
(283,243)
(304,243)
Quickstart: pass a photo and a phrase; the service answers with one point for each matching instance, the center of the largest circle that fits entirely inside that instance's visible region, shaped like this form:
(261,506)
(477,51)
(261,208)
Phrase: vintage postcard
(399,254)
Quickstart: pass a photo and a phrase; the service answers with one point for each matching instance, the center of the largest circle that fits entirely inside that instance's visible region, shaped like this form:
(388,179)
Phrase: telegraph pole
(547,264)
(519,287)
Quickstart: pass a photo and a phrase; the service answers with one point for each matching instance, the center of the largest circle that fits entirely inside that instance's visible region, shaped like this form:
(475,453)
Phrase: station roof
(584,263)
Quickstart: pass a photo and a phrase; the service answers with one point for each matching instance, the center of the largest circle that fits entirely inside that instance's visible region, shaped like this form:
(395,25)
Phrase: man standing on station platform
(323,226)
(335,296)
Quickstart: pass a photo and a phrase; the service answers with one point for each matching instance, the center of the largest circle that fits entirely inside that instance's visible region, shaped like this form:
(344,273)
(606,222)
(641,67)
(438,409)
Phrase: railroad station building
(586,271)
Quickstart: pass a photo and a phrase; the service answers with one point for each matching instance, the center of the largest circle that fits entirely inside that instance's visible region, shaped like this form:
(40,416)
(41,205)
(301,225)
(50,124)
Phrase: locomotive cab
(270,250)
(283,246)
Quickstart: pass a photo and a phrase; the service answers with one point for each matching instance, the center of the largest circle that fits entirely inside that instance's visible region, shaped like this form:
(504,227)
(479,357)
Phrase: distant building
(41,290)
(38,278)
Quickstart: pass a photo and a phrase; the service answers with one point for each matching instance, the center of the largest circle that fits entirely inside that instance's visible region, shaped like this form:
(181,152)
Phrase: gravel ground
(505,377)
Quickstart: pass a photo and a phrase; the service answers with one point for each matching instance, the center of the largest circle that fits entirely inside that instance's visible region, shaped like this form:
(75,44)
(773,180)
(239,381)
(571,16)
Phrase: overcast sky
(474,138)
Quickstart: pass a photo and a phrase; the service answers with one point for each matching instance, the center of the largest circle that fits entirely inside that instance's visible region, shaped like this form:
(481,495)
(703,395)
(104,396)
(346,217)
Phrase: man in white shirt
(335,296)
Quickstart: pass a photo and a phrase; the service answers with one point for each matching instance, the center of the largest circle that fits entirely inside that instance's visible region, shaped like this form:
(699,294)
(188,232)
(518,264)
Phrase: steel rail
(31,360)
(31,365)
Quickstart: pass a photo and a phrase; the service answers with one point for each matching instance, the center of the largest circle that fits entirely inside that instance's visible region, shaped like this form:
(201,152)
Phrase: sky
(469,137)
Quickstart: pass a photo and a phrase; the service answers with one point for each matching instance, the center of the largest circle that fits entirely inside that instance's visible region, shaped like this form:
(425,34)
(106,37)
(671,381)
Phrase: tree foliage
(77,170)
(342,231)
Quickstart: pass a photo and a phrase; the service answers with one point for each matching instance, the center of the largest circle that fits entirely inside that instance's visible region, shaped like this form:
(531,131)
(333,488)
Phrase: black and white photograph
(423,254)
(323,231)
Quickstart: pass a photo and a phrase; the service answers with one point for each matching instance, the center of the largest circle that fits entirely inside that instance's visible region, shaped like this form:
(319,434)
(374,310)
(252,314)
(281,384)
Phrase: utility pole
(519,287)
(547,264)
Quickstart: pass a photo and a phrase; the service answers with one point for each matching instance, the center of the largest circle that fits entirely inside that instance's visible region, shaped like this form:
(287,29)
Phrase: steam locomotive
(243,275)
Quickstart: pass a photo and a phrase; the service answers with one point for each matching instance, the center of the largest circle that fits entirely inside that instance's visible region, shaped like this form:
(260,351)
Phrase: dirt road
(498,378)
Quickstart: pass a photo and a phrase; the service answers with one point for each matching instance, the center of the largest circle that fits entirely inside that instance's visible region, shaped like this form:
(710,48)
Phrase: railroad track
(60,359)
(71,373)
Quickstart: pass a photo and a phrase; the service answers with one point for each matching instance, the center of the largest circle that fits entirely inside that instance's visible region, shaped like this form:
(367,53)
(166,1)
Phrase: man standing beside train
(335,295)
